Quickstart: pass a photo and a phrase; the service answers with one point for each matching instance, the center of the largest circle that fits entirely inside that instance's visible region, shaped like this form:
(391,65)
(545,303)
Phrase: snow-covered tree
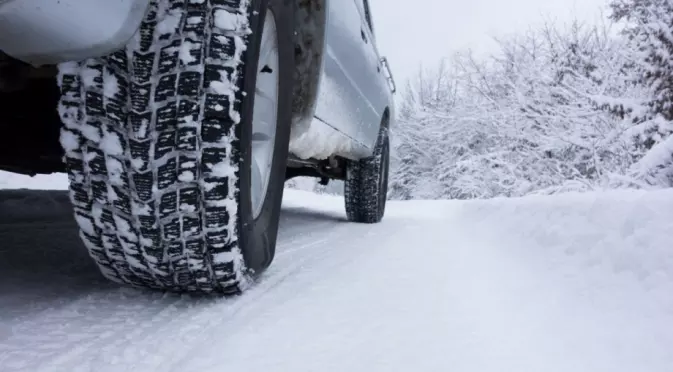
(548,112)
(418,139)
(649,30)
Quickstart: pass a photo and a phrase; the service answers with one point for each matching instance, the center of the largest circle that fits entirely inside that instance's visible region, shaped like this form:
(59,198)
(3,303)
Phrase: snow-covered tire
(158,144)
(366,185)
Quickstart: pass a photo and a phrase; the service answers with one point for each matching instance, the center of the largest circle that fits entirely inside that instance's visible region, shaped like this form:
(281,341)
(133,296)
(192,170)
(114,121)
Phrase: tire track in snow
(199,325)
(91,327)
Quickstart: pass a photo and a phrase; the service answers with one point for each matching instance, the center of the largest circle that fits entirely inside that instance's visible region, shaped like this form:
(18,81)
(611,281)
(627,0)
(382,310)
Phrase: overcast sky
(422,31)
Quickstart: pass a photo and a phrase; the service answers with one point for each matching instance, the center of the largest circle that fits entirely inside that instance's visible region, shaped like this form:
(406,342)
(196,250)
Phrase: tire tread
(153,164)
(365,194)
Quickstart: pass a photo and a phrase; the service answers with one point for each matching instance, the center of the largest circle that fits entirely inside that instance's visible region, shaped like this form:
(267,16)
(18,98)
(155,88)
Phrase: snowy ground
(564,283)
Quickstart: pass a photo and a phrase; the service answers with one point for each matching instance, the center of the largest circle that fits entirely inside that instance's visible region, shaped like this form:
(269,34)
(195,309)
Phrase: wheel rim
(265,114)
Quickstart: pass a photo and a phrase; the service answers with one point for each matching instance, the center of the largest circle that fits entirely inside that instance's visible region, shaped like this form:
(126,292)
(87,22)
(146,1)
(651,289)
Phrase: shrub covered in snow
(649,32)
(555,109)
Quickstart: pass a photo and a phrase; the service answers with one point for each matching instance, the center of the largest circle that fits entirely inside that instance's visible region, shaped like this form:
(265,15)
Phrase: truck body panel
(44,32)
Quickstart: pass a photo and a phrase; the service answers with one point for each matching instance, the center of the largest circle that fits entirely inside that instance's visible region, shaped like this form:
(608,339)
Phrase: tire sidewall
(384,173)
(258,236)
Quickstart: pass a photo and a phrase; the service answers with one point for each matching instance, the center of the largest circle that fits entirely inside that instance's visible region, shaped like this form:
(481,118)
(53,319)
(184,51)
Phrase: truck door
(375,88)
(342,100)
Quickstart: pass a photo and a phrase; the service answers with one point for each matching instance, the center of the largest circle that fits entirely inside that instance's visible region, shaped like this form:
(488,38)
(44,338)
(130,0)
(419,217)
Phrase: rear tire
(158,141)
(366,185)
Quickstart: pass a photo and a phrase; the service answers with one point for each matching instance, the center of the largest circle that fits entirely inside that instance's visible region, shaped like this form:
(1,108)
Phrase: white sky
(423,31)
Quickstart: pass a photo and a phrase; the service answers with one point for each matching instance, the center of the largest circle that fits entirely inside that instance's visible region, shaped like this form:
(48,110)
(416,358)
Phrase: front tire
(159,146)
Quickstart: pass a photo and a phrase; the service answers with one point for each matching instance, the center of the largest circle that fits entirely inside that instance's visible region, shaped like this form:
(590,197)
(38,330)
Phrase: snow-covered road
(563,283)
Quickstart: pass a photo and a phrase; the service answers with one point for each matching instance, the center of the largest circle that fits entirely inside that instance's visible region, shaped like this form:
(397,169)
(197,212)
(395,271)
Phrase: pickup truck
(179,121)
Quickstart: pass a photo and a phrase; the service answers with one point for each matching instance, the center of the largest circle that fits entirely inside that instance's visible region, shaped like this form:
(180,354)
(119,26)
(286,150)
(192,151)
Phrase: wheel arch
(311,20)
(309,47)
(385,118)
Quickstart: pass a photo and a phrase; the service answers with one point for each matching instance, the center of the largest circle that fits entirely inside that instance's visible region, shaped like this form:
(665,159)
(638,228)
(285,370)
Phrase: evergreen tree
(649,29)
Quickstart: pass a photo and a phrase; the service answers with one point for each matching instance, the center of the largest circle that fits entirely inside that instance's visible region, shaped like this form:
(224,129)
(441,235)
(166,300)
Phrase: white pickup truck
(179,121)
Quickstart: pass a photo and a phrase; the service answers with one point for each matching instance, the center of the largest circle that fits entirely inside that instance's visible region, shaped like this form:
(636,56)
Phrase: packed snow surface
(557,283)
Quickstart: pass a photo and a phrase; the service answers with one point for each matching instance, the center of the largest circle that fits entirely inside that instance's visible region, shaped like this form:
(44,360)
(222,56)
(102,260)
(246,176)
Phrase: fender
(42,32)
(311,20)
(312,137)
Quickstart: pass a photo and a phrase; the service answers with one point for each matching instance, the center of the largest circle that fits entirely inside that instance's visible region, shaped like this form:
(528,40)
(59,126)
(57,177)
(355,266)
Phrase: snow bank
(625,234)
(39,182)
(600,265)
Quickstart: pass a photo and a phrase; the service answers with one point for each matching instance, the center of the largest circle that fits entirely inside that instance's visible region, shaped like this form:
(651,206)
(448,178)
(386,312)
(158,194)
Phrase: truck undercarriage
(30,126)
(29,120)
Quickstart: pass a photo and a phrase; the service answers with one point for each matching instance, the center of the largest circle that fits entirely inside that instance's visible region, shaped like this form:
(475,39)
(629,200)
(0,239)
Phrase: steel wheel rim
(265,114)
